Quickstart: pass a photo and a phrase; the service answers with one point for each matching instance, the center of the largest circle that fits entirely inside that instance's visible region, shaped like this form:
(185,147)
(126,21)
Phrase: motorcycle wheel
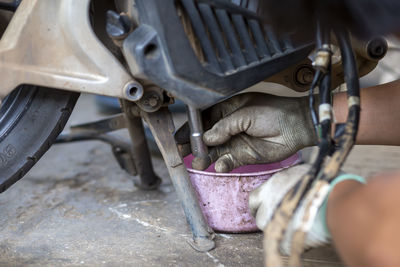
(31,118)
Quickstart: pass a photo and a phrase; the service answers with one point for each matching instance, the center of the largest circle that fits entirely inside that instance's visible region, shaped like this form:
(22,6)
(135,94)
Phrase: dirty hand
(264,200)
(257,128)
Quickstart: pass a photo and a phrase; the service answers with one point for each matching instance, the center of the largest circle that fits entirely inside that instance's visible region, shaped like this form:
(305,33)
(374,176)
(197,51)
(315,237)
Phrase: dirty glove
(264,200)
(257,128)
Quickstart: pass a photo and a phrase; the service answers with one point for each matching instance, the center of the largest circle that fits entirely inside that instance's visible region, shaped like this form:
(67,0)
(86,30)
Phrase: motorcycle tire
(31,118)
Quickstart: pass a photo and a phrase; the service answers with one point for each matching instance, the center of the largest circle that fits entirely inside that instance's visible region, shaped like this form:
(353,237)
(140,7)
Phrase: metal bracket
(133,157)
(51,43)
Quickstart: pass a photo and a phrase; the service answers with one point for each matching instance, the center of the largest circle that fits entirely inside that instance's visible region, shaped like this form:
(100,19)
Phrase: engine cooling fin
(203,51)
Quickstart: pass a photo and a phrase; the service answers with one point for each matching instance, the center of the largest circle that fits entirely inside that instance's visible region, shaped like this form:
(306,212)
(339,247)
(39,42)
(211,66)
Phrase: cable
(314,186)
(315,196)
(314,117)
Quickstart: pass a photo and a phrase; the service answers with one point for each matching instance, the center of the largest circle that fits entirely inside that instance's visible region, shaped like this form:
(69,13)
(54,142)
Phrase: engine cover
(205,51)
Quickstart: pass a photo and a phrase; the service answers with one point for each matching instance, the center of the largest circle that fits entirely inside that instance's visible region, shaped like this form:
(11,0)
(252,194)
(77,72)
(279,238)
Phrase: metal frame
(44,46)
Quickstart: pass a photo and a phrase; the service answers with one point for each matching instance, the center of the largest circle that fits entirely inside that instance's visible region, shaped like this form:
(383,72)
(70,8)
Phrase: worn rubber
(31,135)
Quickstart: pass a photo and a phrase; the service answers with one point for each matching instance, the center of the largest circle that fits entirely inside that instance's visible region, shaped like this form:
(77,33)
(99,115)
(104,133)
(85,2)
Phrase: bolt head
(153,101)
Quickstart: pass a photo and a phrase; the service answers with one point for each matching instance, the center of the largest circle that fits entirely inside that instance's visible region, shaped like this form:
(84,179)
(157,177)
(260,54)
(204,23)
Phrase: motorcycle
(146,53)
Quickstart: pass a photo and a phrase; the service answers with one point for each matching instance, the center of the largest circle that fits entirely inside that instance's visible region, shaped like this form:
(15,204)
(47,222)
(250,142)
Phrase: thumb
(224,129)
(225,164)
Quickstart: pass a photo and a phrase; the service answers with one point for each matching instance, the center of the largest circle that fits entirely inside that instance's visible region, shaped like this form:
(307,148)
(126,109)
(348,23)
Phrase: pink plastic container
(223,197)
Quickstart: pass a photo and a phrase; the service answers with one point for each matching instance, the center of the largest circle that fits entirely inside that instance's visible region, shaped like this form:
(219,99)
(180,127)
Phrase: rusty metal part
(128,7)
(305,75)
(140,151)
(110,124)
(367,55)
(297,76)
(290,79)
(118,25)
(199,149)
(374,49)
(133,157)
(152,100)
(98,131)
(162,127)
(44,46)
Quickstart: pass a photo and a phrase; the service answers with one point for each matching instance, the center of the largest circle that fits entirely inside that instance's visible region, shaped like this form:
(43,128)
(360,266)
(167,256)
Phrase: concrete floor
(76,207)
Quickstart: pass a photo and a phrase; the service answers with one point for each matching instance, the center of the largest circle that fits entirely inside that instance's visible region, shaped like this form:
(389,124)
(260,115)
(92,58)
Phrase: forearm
(364,221)
(380,114)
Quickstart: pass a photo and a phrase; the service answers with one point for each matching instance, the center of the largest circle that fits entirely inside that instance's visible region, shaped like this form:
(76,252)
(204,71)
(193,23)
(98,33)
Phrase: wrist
(341,185)
(319,233)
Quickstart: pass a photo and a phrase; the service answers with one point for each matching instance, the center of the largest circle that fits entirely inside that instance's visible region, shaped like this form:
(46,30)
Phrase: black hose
(349,63)
(317,78)
(351,78)
(325,89)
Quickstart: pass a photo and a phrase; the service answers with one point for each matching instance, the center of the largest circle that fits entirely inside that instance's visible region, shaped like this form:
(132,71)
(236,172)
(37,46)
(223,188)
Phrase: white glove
(264,200)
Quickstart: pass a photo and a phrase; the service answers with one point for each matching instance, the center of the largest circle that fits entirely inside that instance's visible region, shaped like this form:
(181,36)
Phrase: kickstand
(133,157)
(162,127)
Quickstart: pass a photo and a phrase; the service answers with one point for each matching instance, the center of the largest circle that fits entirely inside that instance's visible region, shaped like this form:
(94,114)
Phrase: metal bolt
(153,101)
(118,25)
(377,48)
(305,75)
(134,91)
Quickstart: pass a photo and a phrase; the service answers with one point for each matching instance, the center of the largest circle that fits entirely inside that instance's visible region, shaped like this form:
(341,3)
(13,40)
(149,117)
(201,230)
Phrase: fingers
(229,106)
(218,134)
(222,131)
(225,164)
(224,161)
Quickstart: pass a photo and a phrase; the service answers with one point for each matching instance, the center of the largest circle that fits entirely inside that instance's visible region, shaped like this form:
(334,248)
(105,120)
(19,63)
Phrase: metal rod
(199,149)
(162,127)
(140,151)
